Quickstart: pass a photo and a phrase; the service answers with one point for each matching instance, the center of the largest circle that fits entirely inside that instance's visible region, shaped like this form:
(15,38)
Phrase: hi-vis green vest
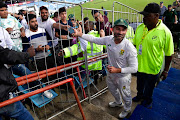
(130,34)
(92,50)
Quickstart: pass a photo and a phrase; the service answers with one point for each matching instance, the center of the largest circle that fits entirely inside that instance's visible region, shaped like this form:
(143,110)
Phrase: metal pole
(77,100)
(113,15)
(86,64)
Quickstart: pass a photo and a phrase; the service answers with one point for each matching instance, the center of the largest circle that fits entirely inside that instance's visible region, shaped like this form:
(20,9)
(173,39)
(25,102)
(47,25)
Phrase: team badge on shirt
(122,52)
(154,38)
(109,45)
(124,87)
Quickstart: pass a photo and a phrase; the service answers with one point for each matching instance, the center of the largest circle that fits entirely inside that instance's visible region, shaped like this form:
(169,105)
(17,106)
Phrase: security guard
(122,59)
(153,40)
(92,50)
(130,32)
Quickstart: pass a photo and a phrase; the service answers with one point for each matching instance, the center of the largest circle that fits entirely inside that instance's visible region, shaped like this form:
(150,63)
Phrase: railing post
(86,64)
(113,15)
(77,100)
(81,82)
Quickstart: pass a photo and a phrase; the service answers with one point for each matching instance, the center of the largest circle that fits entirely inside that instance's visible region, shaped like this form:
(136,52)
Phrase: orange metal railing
(21,97)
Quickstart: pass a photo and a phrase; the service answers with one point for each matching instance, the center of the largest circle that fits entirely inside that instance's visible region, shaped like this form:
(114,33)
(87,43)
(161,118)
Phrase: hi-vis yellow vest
(130,34)
(92,50)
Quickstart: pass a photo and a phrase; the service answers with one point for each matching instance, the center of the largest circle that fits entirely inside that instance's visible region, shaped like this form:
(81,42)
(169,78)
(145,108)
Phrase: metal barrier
(21,97)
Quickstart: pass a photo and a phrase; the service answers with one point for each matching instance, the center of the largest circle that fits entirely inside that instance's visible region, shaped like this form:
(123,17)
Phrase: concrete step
(91,112)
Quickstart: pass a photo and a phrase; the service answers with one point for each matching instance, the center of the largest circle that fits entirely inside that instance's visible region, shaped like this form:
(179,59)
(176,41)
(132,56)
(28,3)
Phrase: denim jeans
(17,111)
(22,70)
(145,85)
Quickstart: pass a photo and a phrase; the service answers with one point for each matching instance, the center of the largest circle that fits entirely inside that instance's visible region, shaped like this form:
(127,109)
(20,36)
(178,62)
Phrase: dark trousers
(45,62)
(145,85)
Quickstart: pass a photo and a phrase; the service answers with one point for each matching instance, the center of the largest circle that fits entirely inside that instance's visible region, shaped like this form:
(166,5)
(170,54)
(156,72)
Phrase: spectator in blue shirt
(163,9)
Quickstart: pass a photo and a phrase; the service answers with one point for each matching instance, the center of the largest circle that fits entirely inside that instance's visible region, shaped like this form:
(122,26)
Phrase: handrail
(42,74)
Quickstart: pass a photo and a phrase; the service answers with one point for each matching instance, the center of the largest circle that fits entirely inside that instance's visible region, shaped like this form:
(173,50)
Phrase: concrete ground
(97,110)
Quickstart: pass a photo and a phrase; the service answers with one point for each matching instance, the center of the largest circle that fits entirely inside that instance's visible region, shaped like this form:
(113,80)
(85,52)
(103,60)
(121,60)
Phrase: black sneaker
(137,99)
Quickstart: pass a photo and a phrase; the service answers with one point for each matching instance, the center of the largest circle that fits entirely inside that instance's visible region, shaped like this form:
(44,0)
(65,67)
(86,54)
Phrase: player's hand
(31,51)
(112,69)
(77,33)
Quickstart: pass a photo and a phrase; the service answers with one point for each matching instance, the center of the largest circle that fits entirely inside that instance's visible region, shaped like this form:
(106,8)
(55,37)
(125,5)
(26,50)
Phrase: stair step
(169,87)
(142,113)
(165,108)
(172,81)
(166,96)
(174,73)
(91,112)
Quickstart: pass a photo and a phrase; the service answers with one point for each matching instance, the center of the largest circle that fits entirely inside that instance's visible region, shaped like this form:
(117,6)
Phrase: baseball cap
(161,2)
(151,8)
(121,22)
(169,6)
(71,16)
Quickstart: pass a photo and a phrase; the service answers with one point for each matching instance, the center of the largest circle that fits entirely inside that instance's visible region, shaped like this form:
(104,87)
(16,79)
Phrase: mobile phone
(71,30)
(77,25)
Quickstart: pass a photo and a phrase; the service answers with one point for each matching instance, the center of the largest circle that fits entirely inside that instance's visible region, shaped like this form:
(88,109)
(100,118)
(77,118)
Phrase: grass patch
(107,4)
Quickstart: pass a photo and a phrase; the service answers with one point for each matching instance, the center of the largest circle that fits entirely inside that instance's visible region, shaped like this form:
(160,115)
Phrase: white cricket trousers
(120,86)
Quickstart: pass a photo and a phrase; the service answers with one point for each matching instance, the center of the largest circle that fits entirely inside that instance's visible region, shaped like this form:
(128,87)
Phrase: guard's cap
(151,8)
(121,22)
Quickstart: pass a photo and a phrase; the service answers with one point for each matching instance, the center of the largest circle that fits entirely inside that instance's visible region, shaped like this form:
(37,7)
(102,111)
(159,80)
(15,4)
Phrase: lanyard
(145,32)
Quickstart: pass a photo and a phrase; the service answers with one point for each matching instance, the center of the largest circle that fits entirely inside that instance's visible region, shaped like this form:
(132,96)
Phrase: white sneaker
(124,113)
(48,94)
(114,104)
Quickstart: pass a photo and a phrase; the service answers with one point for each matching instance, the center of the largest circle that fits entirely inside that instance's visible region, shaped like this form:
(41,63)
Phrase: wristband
(165,71)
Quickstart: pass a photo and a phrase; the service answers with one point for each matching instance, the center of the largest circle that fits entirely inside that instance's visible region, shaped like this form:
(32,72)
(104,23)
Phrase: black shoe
(147,104)
(137,99)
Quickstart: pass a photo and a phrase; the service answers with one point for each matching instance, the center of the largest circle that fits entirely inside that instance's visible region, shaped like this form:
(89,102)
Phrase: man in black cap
(122,59)
(170,16)
(153,40)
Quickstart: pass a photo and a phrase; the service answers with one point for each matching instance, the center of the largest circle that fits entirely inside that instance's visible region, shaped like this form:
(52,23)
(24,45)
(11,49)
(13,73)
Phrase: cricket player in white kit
(122,59)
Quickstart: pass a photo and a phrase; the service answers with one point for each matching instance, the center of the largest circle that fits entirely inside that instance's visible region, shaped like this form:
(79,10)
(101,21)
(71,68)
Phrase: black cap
(169,6)
(151,8)
(161,2)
